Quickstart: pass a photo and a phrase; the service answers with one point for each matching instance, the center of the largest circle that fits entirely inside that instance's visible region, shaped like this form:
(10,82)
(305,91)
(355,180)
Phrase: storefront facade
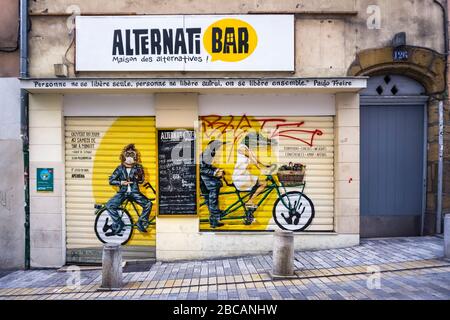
(92,129)
(271,99)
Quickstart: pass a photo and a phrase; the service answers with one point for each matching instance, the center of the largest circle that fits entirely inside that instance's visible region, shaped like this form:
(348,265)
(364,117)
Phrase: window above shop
(392,85)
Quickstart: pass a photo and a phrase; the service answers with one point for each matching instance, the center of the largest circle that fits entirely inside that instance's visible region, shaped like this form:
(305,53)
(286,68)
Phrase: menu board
(177,173)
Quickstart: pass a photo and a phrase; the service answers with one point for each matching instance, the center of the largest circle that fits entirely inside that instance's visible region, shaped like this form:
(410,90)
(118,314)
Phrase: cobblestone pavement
(410,268)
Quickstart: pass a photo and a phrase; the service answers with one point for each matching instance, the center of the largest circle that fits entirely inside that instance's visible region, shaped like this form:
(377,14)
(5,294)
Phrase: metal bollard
(111,267)
(283,254)
(447,236)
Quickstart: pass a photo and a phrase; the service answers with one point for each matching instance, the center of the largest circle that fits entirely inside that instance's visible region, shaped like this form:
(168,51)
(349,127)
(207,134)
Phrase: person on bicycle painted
(246,179)
(210,182)
(128,176)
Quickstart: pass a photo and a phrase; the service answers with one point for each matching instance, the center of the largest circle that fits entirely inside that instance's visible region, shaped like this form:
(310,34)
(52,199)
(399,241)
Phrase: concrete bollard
(447,236)
(111,267)
(283,254)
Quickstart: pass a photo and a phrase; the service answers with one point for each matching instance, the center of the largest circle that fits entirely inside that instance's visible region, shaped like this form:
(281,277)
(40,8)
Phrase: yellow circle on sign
(230,40)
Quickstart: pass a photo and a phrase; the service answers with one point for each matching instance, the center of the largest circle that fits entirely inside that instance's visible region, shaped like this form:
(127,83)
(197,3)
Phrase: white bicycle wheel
(103,229)
(293,211)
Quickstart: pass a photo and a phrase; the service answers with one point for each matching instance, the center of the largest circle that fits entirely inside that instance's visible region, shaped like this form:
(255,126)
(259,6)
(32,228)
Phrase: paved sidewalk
(410,268)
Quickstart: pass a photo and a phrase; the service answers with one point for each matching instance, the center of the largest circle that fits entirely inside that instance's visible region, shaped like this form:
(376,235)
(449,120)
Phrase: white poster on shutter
(185,43)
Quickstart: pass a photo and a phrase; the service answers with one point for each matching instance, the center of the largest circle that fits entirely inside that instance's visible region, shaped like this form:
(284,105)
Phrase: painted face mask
(129,160)
(130,157)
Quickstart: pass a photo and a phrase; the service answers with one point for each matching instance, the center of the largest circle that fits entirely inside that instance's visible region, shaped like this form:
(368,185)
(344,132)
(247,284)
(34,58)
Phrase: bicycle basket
(291,178)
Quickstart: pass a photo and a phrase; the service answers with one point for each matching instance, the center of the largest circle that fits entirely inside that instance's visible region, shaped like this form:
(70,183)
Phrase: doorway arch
(424,65)
(421,75)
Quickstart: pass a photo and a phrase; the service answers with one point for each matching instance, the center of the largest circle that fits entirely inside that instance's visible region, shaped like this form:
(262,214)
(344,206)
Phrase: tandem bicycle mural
(248,178)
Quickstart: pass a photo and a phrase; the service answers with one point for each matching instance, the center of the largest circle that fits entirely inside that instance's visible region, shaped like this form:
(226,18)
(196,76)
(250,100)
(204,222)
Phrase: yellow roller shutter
(93,147)
(305,140)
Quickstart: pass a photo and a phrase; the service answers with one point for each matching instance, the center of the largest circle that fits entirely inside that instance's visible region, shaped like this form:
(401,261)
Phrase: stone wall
(338,30)
(9,37)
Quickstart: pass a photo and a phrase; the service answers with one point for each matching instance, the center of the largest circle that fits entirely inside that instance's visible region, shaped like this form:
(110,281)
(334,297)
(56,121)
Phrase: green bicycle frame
(240,202)
(150,221)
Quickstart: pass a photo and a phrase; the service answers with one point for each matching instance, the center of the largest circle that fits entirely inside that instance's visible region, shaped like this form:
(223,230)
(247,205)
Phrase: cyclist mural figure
(243,178)
(210,182)
(127,176)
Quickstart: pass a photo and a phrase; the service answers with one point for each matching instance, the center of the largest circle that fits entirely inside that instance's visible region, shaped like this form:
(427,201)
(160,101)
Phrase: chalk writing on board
(177,172)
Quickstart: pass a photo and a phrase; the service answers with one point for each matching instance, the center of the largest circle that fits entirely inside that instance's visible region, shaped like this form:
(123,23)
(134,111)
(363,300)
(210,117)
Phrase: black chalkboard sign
(177,173)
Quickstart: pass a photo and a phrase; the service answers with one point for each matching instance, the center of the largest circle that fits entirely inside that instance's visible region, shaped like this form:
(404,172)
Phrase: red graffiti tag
(284,133)
(283,128)
(222,126)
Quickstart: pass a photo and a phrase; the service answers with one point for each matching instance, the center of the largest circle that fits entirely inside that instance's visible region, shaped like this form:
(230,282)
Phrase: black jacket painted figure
(127,177)
(120,174)
(209,179)
(210,182)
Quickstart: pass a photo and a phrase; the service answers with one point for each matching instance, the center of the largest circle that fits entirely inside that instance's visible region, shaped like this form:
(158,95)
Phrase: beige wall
(9,38)
(191,7)
(47,222)
(346,164)
(328,33)
(176,110)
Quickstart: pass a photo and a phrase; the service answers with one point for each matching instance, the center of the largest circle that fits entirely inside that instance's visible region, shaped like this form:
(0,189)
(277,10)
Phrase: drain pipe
(440,168)
(24,123)
(444,7)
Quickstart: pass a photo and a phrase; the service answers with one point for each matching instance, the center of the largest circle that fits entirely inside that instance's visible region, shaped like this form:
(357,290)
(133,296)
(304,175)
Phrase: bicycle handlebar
(151,187)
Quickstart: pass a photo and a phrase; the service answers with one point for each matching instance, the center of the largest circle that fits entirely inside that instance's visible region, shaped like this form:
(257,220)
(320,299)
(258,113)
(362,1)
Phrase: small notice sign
(44,180)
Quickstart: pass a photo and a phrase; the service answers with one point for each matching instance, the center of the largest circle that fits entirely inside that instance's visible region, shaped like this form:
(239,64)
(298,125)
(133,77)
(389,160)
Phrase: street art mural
(105,158)
(114,223)
(254,172)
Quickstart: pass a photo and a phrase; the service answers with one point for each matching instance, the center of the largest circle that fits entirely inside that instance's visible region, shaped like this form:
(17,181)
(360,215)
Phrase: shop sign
(44,180)
(185,43)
